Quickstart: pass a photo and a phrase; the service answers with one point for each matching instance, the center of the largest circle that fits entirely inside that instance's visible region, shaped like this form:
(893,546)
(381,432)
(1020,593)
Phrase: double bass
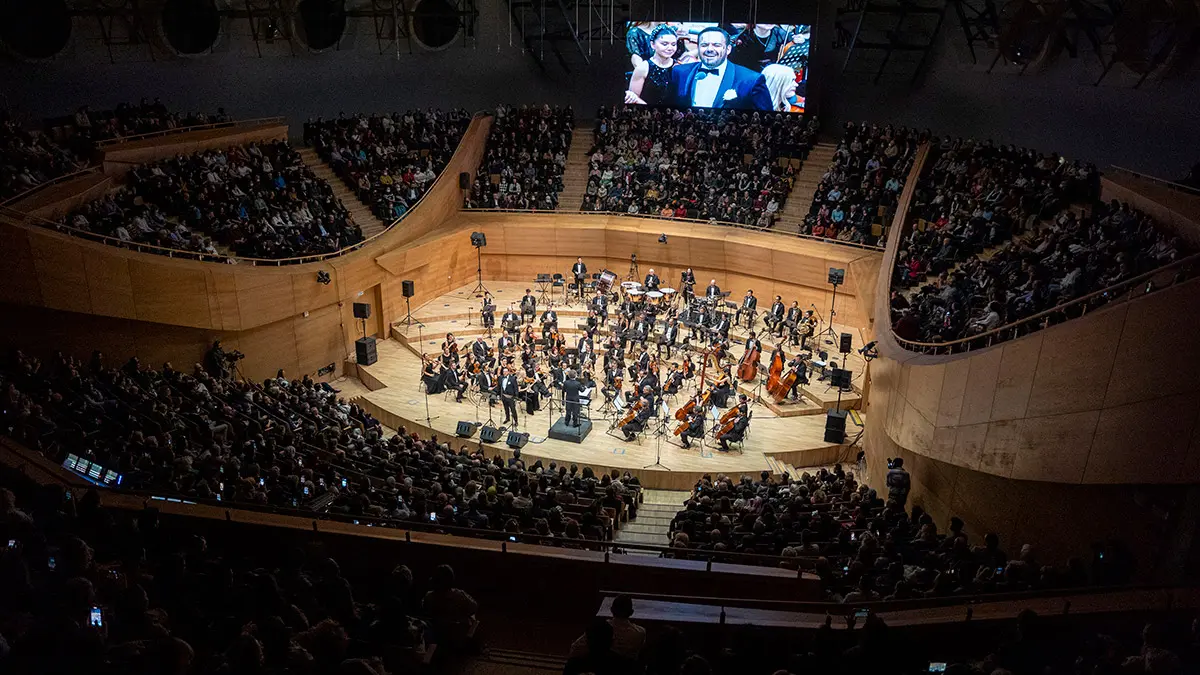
(780,388)
(775,370)
(748,366)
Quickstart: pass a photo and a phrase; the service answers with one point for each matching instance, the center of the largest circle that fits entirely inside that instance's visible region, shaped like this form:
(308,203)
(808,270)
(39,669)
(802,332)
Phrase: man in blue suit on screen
(714,82)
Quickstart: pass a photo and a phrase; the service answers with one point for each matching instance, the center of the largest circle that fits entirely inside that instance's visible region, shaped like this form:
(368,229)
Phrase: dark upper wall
(1151,128)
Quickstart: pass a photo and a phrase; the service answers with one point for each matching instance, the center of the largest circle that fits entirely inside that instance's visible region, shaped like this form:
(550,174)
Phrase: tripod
(409,320)
(479,287)
(829,329)
(658,447)
(634,273)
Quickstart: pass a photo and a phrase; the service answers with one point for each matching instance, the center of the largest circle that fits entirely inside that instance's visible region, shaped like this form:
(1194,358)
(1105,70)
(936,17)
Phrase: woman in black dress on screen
(651,80)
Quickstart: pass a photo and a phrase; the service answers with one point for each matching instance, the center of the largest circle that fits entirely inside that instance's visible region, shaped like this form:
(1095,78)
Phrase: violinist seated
(453,380)
(640,419)
(431,375)
(506,345)
(449,350)
(735,434)
(549,317)
(674,380)
(482,353)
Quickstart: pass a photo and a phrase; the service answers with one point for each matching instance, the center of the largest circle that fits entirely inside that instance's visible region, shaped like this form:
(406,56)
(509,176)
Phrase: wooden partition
(521,245)
(119,157)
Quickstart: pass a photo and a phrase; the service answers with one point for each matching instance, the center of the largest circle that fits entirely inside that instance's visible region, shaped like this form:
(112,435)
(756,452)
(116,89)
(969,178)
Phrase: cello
(776,368)
(633,411)
(748,365)
(780,388)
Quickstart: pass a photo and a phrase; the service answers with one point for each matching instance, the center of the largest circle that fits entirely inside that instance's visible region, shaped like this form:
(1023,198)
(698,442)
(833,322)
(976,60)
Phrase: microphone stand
(428,420)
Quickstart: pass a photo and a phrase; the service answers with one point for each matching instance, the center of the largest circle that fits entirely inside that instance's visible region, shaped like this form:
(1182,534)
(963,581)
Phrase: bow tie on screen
(704,72)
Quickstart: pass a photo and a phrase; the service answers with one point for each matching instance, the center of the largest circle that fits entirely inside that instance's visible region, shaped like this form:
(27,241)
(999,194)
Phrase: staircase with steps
(370,224)
(653,523)
(576,172)
(801,196)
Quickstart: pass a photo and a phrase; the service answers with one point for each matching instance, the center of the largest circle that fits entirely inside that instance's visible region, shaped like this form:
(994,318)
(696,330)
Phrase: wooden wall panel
(1161,442)
(110,289)
(22,284)
(954,389)
(319,339)
(1145,365)
(59,266)
(265,298)
(1017,367)
(1073,368)
(981,388)
(1070,434)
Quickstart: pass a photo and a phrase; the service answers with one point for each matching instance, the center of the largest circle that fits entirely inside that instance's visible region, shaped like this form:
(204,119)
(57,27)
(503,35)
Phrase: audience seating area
(522,167)
(30,158)
(389,160)
(294,444)
(865,548)
(258,200)
(685,163)
(87,589)
(86,127)
(863,183)
(1007,233)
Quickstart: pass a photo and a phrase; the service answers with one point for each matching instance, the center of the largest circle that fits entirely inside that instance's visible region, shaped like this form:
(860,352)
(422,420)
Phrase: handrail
(1128,286)
(696,221)
(278,119)
(53,181)
(1170,184)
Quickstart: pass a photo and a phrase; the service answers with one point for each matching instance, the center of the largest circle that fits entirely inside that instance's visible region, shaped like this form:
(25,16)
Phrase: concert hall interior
(478,336)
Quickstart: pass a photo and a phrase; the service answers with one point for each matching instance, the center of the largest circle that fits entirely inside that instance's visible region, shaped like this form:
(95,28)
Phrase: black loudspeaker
(837,276)
(835,426)
(407,287)
(516,440)
(464,180)
(362,310)
(839,378)
(364,351)
(478,239)
(489,434)
(847,343)
(465,429)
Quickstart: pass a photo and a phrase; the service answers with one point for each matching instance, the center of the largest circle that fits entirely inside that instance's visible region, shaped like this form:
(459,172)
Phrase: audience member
(30,158)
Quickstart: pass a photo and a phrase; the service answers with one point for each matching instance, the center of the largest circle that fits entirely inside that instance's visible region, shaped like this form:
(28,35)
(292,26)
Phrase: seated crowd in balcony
(389,160)
(90,589)
(293,444)
(1008,233)
(711,164)
(522,167)
(863,547)
(259,200)
(88,127)
(864,181)
(30,158)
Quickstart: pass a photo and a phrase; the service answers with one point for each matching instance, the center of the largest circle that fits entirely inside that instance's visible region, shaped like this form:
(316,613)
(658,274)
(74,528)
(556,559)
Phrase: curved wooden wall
(520,245)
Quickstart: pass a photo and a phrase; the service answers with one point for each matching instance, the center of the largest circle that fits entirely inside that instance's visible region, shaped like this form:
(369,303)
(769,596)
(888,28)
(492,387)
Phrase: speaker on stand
(408,289)
(364,348)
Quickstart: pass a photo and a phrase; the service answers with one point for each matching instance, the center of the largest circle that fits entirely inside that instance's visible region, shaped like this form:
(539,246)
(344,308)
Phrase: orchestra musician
(721,327)
(449,350)
(510,322)
(600,305)
(722,388)
(593,321)
(674,380)
(487,385)
(489,311)
(753,343)
(713,290)
(748,309)
(505,345)
(804,329)
(579,271)
(652,281)
(641,329)
(648,385)
(613,382)
(453,379)
(798,365)
(695,421)
(670,335)
(774,317)
(533,389)
(743,405)
(687,285)
(482,353)
(688,368)
(431,375)
(639,421)
(506,389)
(549,317)
(585,349)
(737,433)
(528,338)
(528,306)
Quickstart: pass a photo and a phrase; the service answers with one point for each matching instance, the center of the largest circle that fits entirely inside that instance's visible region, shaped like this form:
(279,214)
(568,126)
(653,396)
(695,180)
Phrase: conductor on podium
(571,393)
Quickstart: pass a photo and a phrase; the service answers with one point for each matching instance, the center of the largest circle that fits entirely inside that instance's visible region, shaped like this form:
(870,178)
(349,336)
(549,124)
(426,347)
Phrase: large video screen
(744,66)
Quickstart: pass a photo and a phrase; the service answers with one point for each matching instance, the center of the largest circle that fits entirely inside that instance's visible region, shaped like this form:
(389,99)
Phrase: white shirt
(704,93)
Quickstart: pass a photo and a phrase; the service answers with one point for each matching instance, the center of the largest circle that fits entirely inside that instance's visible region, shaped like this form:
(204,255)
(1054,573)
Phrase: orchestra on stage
(642,345)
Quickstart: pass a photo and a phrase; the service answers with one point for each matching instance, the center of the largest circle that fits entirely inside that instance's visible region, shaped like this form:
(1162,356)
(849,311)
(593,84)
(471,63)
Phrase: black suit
(600,304)
(550,317)
(774,318)
(749,305)
(484,380)
(651,282)
(571,389)
(695,428)
(712,291)
(510,320)
(579,270)
(528,306)
(451,380)
(737,433)
(638,423)
(506,387)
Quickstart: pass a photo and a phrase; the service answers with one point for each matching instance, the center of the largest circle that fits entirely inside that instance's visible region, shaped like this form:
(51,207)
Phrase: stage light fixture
(323,277)
(662,238)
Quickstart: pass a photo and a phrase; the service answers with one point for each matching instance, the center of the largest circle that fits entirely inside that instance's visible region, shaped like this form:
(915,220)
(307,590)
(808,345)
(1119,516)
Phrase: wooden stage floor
(397,400)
